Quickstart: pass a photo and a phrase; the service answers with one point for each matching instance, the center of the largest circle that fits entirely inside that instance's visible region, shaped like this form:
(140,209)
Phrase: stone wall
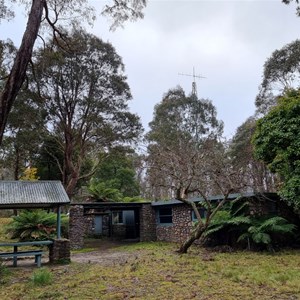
(147,223)
(77,227)
(59,251)
(90,225)
(180,228)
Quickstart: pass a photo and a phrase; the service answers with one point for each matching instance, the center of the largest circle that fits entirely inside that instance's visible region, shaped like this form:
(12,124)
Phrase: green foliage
(261,229)
(231,218)
(178,118)
(104,191)
(87,102)
(277,143)
(115,178)
(223,220)
(42,277)
(183,145)
(258,230)
(32,225)
(134,199)
(49,158)
(24,132)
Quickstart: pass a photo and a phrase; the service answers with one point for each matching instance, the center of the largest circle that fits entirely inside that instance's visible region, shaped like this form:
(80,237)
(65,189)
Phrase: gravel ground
(104,252)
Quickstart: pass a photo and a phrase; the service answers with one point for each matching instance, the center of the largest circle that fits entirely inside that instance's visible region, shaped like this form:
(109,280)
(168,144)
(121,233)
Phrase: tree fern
(261,229)
(224,219)
(35,225)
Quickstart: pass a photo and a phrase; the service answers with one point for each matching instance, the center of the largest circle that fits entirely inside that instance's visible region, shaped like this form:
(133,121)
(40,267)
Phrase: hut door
(98,225)
(130,224)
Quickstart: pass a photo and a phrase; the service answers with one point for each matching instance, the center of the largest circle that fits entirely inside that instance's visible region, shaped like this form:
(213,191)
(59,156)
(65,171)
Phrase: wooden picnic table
(15,253)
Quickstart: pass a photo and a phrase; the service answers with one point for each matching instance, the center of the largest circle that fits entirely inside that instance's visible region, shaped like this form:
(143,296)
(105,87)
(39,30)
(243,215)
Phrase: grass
(155,271)
(42,276)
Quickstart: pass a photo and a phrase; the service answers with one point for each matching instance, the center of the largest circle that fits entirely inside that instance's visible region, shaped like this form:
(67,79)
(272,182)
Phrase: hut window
(202,212)
(117,217)
(165,216)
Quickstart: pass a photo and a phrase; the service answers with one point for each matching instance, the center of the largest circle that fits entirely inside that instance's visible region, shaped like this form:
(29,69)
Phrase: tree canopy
(115,178)
(53,15)
(281,72)
(182,128)
(254,172)
(186,157)
(277,143)
(85,93)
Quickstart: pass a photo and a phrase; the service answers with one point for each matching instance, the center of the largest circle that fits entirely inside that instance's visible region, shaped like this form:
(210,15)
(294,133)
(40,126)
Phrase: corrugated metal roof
(32,193)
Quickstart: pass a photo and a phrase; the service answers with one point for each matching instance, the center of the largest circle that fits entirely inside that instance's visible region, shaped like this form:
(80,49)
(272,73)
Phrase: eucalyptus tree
(85,92)
(281,73)
(181,128)
(186,156)
(24,134)
(50,15)
(254,173)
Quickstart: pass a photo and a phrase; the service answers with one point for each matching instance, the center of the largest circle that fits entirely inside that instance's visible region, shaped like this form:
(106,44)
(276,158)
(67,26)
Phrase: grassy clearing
(157,272)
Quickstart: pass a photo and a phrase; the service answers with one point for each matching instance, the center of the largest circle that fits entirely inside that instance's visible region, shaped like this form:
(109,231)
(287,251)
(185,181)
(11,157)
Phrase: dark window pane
(165,219)
(165,212)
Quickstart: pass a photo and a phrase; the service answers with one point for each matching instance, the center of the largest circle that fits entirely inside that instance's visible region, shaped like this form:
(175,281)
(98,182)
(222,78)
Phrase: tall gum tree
(281,73)
(254,173)
(49,14)
(186,157)
(85,92)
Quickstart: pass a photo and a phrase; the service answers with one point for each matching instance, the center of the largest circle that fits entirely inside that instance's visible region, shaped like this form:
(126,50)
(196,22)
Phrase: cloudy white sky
(225,41)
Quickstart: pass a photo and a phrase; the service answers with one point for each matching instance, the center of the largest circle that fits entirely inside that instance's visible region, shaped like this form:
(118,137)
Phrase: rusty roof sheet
(32,194)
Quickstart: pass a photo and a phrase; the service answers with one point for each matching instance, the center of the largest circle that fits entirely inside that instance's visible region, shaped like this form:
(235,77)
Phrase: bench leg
(15,259)
(38,260)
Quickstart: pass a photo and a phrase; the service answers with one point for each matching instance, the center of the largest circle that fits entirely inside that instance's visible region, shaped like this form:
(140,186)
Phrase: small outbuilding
(34,195)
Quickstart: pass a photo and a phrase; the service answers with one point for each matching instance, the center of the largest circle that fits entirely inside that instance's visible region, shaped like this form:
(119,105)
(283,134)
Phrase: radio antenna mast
(194,86)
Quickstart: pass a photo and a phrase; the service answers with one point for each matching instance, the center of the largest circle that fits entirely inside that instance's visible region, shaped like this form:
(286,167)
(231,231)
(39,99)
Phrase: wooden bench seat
(36,253)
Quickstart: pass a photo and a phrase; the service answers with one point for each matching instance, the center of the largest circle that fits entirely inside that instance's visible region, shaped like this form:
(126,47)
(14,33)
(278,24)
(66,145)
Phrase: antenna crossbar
(194,87)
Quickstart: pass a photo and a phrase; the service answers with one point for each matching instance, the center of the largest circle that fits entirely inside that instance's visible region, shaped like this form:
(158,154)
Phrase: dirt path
(102,252)
(105,253)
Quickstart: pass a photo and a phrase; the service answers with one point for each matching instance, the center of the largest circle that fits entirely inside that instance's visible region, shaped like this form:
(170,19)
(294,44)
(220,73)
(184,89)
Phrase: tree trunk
(18,71)
(196,234)
(17,164)
(71,170)
(71,184)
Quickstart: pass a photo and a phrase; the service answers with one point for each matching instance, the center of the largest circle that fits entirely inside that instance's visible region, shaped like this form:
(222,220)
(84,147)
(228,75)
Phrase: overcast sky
(225,41)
